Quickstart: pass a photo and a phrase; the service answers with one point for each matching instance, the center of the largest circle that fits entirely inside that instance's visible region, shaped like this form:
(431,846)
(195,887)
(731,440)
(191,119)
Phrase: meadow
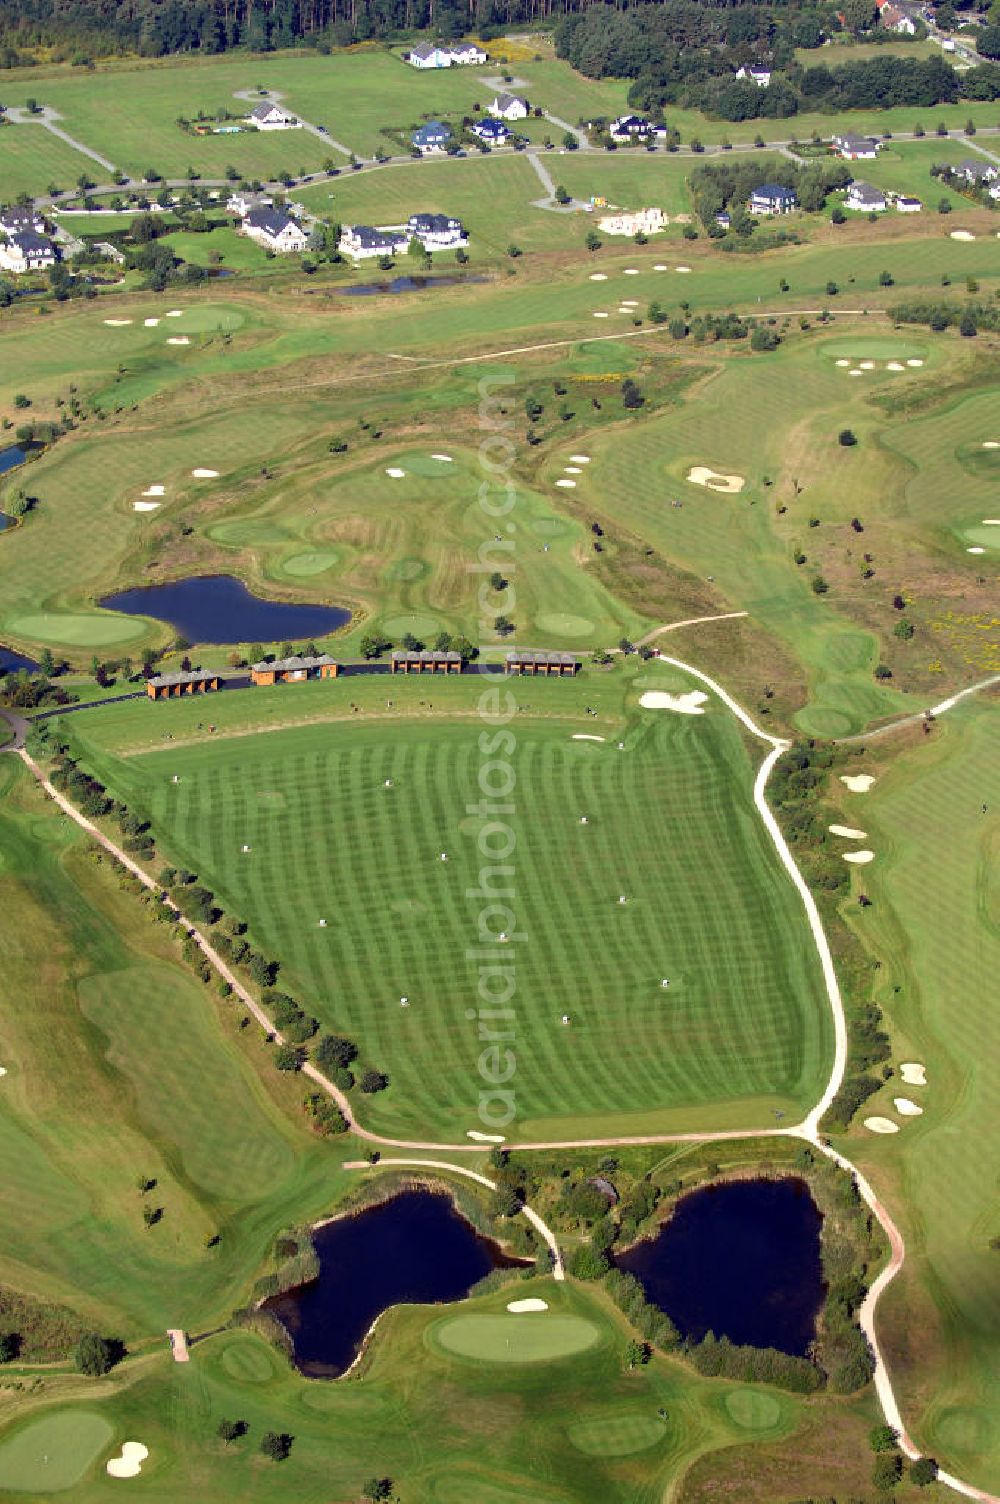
(741,1030)
(105,1039)
(31,158)
(932,822)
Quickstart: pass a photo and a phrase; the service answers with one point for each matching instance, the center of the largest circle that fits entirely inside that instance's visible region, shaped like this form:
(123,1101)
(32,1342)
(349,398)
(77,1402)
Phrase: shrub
(923,1471)
(95,1355)
(887,1470)
(847,438)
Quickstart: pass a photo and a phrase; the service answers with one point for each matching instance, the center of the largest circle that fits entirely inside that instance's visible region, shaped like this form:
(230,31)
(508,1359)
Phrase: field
(31,158)
(937,848)
(743,1025)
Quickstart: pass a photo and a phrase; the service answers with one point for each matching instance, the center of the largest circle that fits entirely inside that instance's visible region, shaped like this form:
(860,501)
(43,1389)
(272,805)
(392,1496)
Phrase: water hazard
(220,609)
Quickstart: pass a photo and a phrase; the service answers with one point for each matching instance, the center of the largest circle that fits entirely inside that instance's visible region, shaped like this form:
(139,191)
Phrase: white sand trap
(581,736)
(914,362)
(913,1073)
(701,475)
(631,271)
(687,704)
(600,315)
(867,365)
(567,485)
(847,832)
(991,444)
(395,472)
(174,313)
(630,302)
(906,1108)
(895,365)
(154,491)
(484,1138)
(858,783)
(202,474)
(843,362)
(178,339)
(991,522)
(860,858)
(573,469)
(580,459)
(117,323)
(129,1464)
(962,235)
(519,1307)
(975,549)
(3,1070)
(444,458)
(145,506)
(598,276)
(150,323)
(625,310)
(881,1125)
(682,268)
(661,266)
(856,372)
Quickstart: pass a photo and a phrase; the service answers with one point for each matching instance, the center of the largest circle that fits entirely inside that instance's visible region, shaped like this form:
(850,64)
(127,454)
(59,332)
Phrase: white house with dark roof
(466,54)
(493,132)
(755,75)
(268,116)
(432,137)
(894,18)
(445,55)
(976,171)
(243,200)
(20,217)
(509,107)
(906,204)
(363,241)
(437,232)
(857,148)
(275,230)
(25,251)
(865,198)
(772,198)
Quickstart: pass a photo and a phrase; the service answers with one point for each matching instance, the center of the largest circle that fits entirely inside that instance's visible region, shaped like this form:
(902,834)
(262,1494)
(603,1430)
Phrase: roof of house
(460,47)
(30,244)
(425,655)
(489,126)
(434,130)
(17,214)
(196,676)
(425,49)
(504,101)
(773,190)
(433,224)
(272,221)
(867,193)
(370,238)
(538,655)
(262,110)
(972,167)
(851,142)
(297,661)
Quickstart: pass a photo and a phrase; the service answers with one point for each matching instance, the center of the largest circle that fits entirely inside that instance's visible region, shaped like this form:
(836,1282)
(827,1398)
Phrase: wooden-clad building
(531,661)
(198,682)
(426,661)
(294,670)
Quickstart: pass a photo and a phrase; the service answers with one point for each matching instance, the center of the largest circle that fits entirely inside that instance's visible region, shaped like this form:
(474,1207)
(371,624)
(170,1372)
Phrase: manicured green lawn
(631,179)
(936,853)
(53,1453)
(743,1026)
(31,158)
(539,1338)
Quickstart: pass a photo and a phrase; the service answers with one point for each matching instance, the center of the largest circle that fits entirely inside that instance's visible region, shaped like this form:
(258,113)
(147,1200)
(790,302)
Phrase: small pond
(403,284)
(11,662)
(742,1260)
(412,1250)
(220,609)
(11,456)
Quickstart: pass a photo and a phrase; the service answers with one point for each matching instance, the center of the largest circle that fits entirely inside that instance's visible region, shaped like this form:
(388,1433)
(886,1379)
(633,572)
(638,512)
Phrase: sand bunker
(581,736)
(154,491)
(860,858)
(867,365)
(913,1073)
(975,549)
(201,474)
(701,475)
(484,1138)
(129,1464)
(858,783)
(444,458)
(914,362)
(631,271)
(117,323)
(895,365)
(580,459)
(847,832)
(145,506)
(600,315)
(532,1304)
(150,323)
(174,313)
(598,276)
(843,362)
(3,1070)
(573,469)
(682,268)
(687,704)
(567,485)
(179,339)
(881,1125)
(991,522)
(630,302)
(991,444)
(906,1108)
(856,372)
(395,473)
(962,235)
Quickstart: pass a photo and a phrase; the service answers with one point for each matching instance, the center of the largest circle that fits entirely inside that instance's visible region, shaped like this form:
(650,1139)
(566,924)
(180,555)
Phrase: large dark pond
(403,284)
(412,1250)
(741,1260)
(11,456)
(220,609)
(10,661)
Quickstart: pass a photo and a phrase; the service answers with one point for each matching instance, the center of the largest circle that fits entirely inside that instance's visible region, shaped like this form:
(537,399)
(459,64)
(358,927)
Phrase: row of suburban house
(435,232)
(299,669)
(774,198)
(24,245)
(445,55)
